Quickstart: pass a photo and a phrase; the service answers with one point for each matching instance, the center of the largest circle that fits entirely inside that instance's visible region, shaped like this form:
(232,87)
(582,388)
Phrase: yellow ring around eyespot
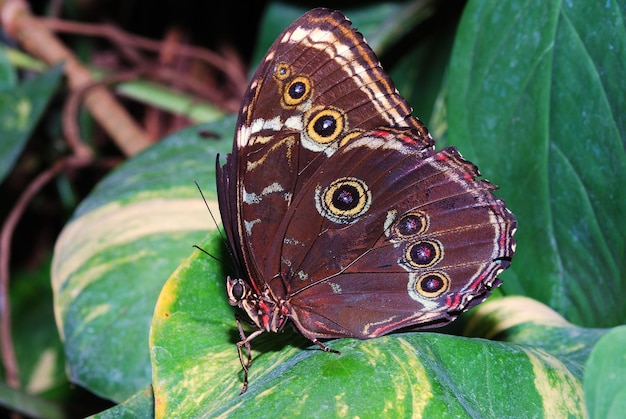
(349,136)
(339,125)
(436,258)
(361,206)
(282,71)
(293,101)
(444,288)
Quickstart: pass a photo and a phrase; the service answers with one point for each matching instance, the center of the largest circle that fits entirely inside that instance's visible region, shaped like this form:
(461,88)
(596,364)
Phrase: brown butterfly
(342,217)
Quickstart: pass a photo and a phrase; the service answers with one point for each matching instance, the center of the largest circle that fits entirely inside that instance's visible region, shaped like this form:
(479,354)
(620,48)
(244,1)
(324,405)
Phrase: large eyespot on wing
(344,200)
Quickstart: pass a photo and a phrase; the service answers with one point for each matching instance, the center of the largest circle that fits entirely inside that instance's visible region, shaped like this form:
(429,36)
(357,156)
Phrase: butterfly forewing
(318,85)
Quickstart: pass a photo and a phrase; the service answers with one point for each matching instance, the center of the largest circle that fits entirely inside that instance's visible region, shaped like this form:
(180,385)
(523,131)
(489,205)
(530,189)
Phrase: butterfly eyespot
(432,284)
(282,71)
(424,253)
(325,125)
(412,224)
(344,200)
(297,91)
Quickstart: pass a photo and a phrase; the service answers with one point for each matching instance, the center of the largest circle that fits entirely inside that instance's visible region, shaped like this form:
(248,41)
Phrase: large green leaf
(537,100)
(123,242)
(196,370)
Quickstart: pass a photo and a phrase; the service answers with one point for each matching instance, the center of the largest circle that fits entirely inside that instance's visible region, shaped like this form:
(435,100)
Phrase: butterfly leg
(325,348)
(245,342)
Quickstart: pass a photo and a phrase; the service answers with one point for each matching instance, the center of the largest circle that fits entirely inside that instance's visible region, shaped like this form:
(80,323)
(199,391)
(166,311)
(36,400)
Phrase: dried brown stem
(117,36)
(72,106)
(39,41)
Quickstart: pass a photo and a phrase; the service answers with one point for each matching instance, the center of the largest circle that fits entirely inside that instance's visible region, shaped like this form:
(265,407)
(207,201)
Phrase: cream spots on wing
(294,122)
(249,224)
(274,124)
(344,50)
(252,198)
(286,37)
(389,220)
(257,125)
(293,241)
(335,287)
(243,135)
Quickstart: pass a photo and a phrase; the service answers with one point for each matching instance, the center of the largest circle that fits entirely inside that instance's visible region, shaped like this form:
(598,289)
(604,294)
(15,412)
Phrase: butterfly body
(342,217)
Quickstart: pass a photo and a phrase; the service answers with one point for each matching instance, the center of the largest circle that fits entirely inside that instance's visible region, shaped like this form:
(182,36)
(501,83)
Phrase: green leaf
(20,109)
(139,406)
(605,378)
(419,72)
(276,18)
(114,256)
(196,370)
(537,101)
(27,404)
(527,322)
(8,78)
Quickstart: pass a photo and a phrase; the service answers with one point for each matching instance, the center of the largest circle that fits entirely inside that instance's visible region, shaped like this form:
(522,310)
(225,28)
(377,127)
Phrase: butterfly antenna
(208,254)
(206,204)
(217,226)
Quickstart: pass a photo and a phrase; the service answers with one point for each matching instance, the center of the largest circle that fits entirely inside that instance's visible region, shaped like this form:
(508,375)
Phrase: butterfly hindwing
(408,246)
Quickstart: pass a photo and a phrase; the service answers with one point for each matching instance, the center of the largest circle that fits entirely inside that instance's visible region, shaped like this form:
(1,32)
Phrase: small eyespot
(423,253)
(344,200)
(412,224)
(297,91)
(282,71)
(432,284)
(325,125)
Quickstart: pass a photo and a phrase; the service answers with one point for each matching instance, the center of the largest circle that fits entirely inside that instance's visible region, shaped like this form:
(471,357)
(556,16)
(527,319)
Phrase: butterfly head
(267,313)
